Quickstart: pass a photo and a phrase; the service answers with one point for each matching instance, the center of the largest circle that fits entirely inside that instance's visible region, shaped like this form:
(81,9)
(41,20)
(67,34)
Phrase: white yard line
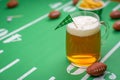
(116,8)
(105,58)
(52,78)
(16,37)
(32,22)
(25,26)
(107,2)
(9,65)
(110,52)
(1,51)
(27,73)
(85,77)
(69,3)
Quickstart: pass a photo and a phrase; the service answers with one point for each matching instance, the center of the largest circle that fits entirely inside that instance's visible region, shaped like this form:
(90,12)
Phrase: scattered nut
(12,4)
(115,14)
(116,25)
(54,14)
(75,2)
(96,69)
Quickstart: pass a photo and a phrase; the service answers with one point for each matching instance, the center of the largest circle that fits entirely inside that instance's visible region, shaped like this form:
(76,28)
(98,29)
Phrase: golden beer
(83,51)
(83,42)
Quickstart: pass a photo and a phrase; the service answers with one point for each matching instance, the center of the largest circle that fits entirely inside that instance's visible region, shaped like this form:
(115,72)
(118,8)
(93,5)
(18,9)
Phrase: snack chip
(91,4)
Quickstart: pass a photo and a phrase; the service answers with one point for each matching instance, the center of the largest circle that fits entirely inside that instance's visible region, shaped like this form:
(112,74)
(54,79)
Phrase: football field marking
(110,52)
(32,22)
(55,5)
(24,27)
(27,73)
(52,78)
(13,38)
(105,58)
(1,51)
(116,8)
(3,32)
(107,2)
(69,3)
(9,65)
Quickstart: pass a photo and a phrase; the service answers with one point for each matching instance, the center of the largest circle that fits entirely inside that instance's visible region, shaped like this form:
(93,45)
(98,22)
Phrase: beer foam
(83,26)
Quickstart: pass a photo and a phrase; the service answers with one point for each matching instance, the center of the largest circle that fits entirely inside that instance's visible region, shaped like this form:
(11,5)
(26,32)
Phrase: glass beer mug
(83,38)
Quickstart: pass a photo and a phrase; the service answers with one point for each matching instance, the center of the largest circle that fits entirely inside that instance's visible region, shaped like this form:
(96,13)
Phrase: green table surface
(32,50)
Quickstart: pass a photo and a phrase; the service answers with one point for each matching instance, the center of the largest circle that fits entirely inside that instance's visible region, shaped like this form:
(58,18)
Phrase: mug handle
(106,32)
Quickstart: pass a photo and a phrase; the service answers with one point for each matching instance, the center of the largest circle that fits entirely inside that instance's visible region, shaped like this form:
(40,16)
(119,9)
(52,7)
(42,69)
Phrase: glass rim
(86,12)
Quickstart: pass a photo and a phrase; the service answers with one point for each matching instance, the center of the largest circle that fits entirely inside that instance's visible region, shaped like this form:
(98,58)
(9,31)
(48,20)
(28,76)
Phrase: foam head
(83,26)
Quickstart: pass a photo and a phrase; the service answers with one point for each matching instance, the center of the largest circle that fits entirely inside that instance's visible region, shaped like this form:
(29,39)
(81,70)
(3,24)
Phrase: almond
(75,2)
(96,69)
(54,14)
(115,14)
(116,25)
(12,4)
